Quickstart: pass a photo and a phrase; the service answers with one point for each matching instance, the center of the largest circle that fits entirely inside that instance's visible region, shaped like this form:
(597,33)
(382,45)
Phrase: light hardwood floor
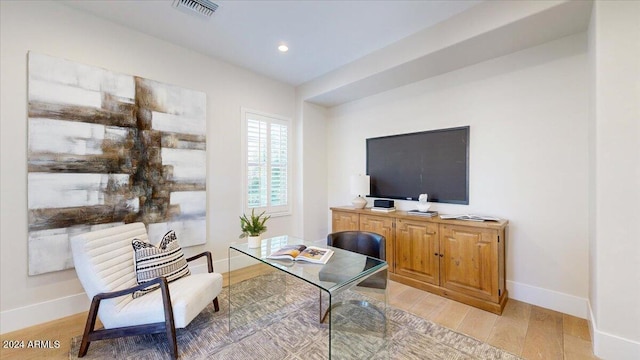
(523,329)
(526,330)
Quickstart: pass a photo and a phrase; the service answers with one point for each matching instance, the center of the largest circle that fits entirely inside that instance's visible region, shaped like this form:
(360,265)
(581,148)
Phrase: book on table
(470,217)
(312,254)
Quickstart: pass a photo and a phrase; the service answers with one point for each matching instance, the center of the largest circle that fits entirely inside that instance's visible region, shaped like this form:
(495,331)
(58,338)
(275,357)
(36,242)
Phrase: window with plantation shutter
(266,155)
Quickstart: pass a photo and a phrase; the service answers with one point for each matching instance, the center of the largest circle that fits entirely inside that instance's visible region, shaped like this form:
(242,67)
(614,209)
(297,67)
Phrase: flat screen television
(432,162)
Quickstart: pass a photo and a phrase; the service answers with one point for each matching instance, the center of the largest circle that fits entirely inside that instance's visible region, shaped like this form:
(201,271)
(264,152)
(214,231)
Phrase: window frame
(280,210)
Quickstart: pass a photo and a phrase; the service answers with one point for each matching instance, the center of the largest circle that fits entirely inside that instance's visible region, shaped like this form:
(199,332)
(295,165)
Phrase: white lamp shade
(360,185)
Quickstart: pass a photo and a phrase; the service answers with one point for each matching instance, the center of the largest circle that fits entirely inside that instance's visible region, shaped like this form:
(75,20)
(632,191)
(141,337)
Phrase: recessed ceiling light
(283,48)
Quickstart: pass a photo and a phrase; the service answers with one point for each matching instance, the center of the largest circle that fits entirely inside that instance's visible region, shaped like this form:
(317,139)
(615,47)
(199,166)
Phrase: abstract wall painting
(106,149)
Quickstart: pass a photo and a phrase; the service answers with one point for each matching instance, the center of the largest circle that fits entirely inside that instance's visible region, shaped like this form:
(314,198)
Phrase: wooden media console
(460,260)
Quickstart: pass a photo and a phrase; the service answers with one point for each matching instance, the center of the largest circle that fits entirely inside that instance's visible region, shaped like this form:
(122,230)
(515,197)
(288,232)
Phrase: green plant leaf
(254,225)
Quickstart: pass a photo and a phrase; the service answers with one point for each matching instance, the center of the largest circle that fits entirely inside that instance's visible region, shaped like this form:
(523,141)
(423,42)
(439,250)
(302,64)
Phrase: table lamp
(359,187)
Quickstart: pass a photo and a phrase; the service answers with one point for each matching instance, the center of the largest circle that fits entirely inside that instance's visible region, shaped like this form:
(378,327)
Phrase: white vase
(255,241)
(359,202)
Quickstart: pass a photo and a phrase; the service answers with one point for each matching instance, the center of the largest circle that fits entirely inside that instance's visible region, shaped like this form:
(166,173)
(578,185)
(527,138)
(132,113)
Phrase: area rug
(290,330)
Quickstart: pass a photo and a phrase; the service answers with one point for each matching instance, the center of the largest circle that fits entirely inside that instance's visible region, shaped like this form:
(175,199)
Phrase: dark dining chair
(365,243)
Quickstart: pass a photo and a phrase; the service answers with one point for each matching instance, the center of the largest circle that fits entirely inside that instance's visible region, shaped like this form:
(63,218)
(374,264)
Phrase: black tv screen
(431,162)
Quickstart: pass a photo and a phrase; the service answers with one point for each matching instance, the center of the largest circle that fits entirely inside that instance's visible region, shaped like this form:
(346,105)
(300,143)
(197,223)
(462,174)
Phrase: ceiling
(321,35)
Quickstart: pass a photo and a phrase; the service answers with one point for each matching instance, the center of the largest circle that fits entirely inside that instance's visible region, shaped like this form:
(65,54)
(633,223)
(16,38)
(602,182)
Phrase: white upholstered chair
(104,262)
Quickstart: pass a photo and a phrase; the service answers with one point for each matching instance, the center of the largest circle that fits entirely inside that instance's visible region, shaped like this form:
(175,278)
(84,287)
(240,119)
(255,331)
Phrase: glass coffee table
(331,298)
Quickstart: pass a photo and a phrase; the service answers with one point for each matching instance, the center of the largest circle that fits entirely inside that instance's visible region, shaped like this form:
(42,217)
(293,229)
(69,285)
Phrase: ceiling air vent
(204,8)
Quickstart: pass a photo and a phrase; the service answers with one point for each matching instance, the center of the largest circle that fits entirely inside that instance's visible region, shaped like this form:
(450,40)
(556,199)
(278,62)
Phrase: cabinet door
(417,250)
(470,261)
(384,226)
(344,221)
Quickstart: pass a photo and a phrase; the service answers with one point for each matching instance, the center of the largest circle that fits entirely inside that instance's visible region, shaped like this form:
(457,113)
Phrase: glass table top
(343,270)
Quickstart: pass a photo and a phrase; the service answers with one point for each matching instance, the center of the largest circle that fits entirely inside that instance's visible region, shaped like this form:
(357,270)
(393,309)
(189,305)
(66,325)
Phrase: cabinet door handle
(435,254)
(441,255)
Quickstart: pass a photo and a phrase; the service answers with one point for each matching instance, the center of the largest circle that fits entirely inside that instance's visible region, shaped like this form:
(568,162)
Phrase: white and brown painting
(107,149)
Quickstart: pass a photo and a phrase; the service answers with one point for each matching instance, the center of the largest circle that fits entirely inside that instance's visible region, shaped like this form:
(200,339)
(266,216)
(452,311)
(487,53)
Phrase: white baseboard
(609,346)
(34,314)
(548,299)
(605,345)
(201,268)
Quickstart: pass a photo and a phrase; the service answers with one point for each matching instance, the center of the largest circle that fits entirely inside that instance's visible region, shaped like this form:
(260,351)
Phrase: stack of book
(383,209)
(422,213)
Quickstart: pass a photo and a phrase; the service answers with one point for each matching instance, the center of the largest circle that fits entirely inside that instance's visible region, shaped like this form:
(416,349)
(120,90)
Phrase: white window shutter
(279,165)
(267,163)
(256,163)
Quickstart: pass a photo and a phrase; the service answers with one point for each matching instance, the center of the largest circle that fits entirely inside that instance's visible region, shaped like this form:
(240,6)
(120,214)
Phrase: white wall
(57,30)
(528,157)
(314,172)
(615,118)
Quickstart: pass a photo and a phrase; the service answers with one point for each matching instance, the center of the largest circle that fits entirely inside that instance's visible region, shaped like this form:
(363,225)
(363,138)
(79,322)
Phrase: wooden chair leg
(173,342)
(168,318)
(216,306)
(88,328)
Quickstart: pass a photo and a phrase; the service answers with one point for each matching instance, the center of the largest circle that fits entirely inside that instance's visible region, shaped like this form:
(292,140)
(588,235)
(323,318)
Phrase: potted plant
(252,227)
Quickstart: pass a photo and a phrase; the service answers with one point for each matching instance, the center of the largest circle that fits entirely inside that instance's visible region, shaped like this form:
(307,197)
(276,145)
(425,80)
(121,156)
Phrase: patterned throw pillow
(167,259)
